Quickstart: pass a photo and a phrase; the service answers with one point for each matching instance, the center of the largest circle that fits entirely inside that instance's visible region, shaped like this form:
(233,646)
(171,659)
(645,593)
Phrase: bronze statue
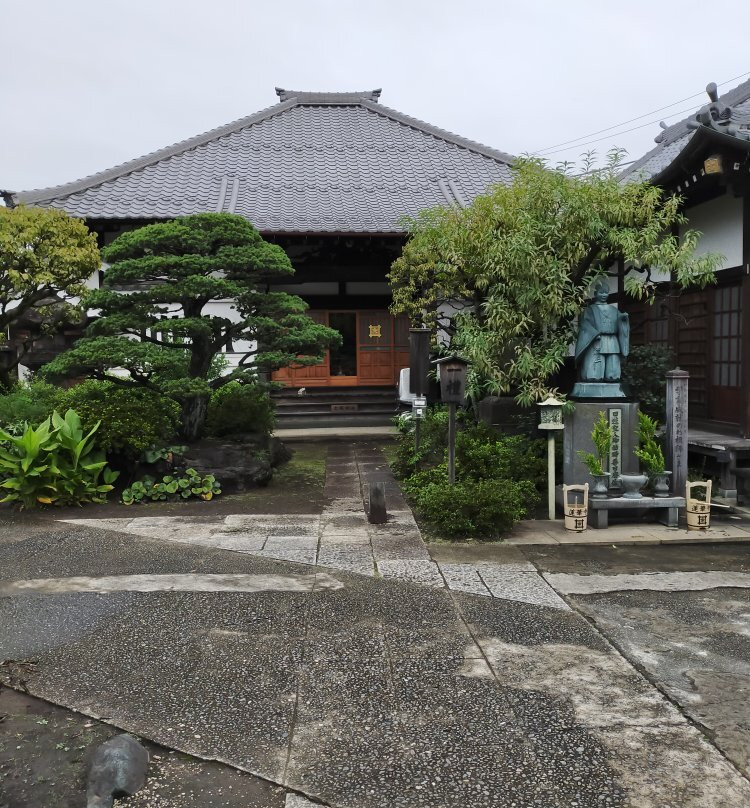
(603,337)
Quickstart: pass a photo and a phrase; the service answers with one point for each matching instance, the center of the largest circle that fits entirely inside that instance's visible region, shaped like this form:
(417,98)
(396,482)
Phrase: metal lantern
(452,372)
(550,414)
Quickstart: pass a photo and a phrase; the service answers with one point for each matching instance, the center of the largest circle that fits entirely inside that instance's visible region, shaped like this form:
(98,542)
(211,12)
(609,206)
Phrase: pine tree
(155,321)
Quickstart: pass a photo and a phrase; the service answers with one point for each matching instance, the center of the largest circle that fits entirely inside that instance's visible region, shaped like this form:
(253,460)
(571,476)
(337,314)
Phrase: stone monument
(603,340)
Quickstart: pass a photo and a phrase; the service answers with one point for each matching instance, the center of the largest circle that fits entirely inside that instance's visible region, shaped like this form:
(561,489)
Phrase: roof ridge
(137,163)
(306,96)
(443,134)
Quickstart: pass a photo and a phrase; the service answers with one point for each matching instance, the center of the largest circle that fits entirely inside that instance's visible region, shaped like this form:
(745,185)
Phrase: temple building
(705,158)
(329,177)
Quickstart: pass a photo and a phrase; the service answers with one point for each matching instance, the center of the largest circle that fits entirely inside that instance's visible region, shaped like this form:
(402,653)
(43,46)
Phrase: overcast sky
(87,84)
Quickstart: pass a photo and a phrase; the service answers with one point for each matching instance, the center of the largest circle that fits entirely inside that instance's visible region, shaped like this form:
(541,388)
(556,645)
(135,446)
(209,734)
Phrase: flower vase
(632,484)
(660,484)
(600,488)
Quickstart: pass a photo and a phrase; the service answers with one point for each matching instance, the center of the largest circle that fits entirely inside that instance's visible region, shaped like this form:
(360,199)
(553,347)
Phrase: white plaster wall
(720,222)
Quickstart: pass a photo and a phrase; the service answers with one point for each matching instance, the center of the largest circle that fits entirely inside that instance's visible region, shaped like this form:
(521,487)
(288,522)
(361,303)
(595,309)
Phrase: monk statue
(603,337)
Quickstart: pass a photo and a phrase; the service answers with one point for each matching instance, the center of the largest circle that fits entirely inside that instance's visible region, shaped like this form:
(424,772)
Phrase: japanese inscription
(615,446)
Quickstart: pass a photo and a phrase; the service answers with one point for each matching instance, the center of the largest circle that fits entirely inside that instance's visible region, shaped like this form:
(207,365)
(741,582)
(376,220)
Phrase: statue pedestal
(598,390)
(623,419)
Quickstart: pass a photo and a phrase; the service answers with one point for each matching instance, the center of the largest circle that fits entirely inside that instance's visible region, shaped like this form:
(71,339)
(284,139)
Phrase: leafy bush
(470,508)
(28,402)
(644,374)
(54,463)
(498,477)
(239,409)
(601,437)
(132,419)
(649,452)
(172,486)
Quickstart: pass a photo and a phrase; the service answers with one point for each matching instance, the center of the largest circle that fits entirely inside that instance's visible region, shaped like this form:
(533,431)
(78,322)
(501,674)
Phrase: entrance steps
(335,407)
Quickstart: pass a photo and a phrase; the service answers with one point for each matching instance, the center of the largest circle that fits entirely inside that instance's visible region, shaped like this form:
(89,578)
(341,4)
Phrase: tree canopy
(507,276)
(157,323)
(45,258)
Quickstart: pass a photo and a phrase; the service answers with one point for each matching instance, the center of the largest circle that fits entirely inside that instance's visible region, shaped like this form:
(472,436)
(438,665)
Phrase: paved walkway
(366,693)
(339,659)
(542,531)
(341,538)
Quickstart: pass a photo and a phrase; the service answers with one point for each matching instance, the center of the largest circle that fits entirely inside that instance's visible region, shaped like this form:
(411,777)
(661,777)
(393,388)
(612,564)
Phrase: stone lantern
(551,420)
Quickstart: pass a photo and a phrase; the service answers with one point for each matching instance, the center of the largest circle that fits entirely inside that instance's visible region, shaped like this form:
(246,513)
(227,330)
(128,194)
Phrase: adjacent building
(705,158)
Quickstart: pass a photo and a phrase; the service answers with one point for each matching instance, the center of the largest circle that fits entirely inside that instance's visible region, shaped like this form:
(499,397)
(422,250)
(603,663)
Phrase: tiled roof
(314,162)
(672,141)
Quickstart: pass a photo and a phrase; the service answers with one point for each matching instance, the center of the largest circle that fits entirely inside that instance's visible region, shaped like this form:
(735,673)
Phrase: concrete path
(376,694)
(401,680)
(341,538)
(532,532)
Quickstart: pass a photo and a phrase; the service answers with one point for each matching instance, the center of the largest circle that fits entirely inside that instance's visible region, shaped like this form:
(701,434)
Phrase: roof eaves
(58,191)
(443,134)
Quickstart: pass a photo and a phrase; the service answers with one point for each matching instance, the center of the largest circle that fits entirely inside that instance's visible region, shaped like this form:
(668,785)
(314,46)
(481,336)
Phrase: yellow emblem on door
(375,331)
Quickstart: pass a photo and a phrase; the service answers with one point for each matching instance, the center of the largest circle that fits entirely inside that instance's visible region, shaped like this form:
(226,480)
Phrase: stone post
(677,429)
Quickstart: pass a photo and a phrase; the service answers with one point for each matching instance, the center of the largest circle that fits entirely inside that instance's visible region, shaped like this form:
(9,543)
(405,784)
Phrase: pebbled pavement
(378,693)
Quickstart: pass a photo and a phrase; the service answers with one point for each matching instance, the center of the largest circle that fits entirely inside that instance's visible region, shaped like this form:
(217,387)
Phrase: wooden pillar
(677,429)
(745,320)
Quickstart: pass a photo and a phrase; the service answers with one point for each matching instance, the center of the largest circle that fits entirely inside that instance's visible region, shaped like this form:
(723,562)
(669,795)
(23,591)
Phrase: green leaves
(53,463)
(160,326)
(172,487)
(507,277)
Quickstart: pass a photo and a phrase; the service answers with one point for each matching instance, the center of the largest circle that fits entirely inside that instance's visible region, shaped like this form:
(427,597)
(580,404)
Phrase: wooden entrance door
(375,347)
(724,366)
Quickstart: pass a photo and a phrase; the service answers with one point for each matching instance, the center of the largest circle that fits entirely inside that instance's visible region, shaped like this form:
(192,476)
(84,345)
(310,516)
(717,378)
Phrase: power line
(637,118)
(616,134)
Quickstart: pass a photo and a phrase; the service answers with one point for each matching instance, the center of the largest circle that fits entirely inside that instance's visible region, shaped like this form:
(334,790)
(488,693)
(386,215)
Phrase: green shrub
(601,437)
(54,463)
(471,508)
(498,477)
(133,419)
(649,451)
(237,409)
(644,374)
(28,402)
(172,486)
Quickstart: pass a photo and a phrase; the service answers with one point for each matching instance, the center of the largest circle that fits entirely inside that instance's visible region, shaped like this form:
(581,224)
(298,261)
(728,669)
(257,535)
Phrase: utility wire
(637,118)
(617,134)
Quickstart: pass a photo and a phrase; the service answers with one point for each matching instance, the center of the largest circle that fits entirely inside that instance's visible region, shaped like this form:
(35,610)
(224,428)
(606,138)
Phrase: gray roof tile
(315,162)
(674,139)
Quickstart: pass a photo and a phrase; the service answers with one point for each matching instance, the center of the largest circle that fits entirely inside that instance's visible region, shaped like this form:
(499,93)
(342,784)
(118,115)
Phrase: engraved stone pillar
(677,428)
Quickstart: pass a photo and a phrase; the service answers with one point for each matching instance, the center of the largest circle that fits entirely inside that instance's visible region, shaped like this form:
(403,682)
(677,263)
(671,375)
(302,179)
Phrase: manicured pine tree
(154,320)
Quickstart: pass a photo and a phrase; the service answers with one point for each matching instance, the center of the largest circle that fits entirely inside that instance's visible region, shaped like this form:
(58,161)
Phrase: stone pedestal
(623,418)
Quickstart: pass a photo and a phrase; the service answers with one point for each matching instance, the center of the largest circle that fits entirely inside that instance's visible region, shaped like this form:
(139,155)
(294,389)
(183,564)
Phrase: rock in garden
(237,465)
(118,769)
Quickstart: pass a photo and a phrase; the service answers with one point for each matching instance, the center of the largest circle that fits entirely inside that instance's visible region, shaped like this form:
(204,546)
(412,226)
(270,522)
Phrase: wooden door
(724,363)
(375,348)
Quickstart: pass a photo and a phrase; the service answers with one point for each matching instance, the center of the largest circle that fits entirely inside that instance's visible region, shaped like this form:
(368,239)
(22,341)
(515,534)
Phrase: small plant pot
(600,488)
(660,484)
(632,484)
